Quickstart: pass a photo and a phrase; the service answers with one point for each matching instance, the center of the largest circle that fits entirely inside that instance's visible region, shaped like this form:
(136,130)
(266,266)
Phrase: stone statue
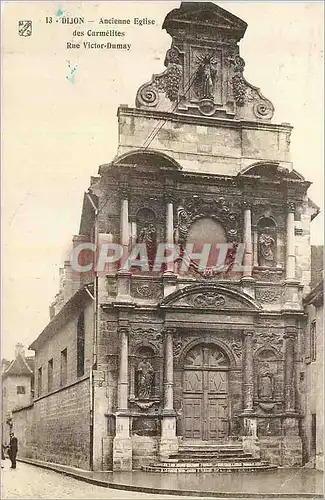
(266,245)
(145,377)
(147,234)
(206,75)
(266,386)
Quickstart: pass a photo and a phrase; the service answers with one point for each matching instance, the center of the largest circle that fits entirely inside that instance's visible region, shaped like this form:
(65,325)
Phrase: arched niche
(268,376)
(144,374)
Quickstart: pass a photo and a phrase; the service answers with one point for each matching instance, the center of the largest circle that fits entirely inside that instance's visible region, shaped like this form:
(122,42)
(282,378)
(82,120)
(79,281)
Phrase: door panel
(205,391)
(193,418)
(193,381)
(217,382)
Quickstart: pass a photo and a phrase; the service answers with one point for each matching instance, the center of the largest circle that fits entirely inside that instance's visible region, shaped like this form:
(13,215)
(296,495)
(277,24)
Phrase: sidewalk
(283,483)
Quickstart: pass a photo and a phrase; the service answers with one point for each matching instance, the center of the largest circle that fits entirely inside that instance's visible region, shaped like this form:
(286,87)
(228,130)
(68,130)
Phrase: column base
(291,451)
(123,283)
(251,445)
(122,454)
(169,282)
(122,445)
(248,285)
(292,295)
(168,442)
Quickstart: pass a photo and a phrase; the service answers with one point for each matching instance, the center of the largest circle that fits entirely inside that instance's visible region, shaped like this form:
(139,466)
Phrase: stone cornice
(202,120)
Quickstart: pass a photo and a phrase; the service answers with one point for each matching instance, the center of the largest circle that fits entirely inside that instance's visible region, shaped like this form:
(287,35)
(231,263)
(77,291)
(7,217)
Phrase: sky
(58,130)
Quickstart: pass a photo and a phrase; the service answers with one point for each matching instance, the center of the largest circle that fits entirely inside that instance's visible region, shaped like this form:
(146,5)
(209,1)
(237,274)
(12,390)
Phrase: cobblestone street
(28,481)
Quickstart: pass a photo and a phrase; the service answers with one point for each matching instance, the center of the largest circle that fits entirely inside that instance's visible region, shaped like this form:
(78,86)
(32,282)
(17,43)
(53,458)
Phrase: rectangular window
(39,382)
(313,340)
(21,389)
(50,375)
(64,367)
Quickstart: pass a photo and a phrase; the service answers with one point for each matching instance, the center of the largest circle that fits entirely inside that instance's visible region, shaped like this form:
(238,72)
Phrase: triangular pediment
(207,14)
(210,297)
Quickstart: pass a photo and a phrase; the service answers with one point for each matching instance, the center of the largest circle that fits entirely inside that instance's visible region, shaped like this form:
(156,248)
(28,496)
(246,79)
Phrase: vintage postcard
(162,255)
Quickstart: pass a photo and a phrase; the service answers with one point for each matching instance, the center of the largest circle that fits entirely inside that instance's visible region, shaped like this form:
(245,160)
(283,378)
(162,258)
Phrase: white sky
(56,133)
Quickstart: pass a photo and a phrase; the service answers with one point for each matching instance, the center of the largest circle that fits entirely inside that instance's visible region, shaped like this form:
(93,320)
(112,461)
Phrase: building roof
(18,367)
(72,306)
(316,295)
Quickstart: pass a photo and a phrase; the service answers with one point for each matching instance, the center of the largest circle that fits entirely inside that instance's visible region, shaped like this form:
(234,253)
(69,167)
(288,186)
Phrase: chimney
(19,349)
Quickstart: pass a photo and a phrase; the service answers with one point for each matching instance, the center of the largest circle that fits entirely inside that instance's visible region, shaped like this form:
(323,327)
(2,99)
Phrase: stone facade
(210,355)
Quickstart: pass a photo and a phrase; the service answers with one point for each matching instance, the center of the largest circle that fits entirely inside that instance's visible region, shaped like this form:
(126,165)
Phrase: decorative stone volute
(204,74)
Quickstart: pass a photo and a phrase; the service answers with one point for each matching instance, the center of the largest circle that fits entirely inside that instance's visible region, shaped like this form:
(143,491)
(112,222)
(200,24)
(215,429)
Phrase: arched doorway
(205,393)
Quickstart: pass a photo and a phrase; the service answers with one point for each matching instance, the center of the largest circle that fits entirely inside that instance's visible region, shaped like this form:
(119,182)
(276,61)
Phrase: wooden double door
(205,394)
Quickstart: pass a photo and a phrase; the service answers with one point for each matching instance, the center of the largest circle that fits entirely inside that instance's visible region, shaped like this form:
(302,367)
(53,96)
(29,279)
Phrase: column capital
(291,206)
(290,332)
(248,333)
(169,196)
(123,329)
(247,204)
(169,330)
(124,190)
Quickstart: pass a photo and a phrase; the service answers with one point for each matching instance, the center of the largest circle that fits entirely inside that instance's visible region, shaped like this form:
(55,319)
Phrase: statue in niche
(266,386)
(206,77)
(145,378)
(266,246)
(147,234)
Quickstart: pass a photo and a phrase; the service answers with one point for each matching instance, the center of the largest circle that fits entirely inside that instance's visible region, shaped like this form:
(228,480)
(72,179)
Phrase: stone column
(169,277)
(169,372)
(123,275)
(289,368)
(290,260)
(248,372)
(168,441)
(123,373)
(291,442)
(170,230)
(255,248)
(248,256)
(250,441)
(122,445)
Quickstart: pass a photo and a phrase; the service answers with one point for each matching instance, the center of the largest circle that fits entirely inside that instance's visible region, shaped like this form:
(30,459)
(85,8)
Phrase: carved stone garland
(167,82)
(219,209)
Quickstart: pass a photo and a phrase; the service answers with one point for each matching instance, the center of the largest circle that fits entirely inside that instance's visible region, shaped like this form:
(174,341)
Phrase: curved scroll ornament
(168,82)
(248,96)
(209,299)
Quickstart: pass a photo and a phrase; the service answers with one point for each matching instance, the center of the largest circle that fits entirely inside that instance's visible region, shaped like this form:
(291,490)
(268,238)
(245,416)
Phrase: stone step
(212,458)
(219,447)
(211,454)
(235,463)
(208,468)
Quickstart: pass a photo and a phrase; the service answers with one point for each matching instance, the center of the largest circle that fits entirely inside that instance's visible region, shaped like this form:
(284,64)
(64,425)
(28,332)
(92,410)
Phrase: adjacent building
(136,362)
(314,366)
(17,387)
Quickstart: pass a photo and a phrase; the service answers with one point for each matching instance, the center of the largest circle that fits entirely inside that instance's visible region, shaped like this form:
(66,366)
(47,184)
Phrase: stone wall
(203,146)
(57,427)
(24,429)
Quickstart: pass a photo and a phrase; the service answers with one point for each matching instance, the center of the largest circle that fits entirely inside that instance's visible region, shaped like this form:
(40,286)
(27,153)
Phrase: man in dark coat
(13,450)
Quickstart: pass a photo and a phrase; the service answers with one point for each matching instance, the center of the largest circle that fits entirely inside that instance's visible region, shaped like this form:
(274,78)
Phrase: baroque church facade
(208,355)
